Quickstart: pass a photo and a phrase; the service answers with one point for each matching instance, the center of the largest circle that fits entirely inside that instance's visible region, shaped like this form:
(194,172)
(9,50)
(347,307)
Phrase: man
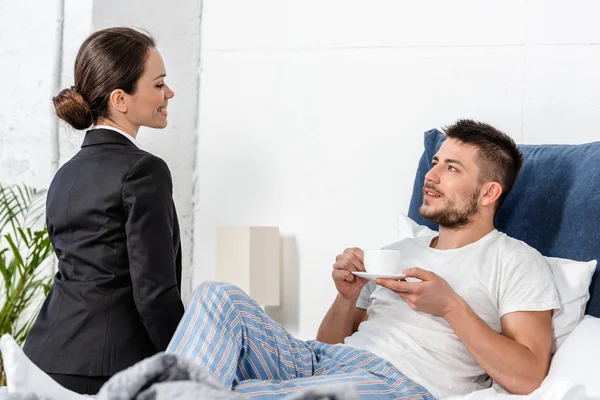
(482,309)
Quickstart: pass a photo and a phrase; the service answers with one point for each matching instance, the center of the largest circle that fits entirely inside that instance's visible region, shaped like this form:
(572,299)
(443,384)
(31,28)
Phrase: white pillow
(577,359)
(573,279)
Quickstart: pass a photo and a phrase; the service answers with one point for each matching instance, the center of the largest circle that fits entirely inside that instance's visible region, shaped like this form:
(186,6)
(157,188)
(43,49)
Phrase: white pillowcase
(573,279)
(577,359)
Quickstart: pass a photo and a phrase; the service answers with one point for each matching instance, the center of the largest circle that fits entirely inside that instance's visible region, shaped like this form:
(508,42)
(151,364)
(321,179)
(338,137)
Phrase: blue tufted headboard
(554,205)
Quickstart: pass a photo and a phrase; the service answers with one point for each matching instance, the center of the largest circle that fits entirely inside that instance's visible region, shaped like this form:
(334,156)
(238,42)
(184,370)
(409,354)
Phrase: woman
(111,220)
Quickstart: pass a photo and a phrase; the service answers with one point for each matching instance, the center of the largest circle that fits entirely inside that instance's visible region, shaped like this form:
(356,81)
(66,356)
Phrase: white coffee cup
(382,261)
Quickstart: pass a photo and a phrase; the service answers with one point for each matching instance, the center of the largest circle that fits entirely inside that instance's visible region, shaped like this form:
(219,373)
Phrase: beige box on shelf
(248,257)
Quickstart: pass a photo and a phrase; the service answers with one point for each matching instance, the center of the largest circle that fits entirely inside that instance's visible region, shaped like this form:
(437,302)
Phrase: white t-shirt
(495,275)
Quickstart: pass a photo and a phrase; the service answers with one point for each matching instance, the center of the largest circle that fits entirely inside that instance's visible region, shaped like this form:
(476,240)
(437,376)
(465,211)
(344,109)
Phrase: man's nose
(432,175)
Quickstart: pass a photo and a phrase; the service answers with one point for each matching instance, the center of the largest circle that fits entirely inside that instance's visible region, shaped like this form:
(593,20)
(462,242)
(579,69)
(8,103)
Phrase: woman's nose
(169,94)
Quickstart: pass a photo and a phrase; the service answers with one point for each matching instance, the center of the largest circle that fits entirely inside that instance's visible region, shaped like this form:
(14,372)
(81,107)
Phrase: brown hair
(499,159)
(109,59)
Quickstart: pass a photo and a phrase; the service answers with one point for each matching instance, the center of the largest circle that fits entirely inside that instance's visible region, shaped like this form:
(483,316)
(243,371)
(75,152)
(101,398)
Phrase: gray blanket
(170,377)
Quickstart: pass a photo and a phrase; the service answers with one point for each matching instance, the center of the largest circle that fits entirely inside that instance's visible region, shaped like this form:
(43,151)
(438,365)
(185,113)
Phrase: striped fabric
(227,333)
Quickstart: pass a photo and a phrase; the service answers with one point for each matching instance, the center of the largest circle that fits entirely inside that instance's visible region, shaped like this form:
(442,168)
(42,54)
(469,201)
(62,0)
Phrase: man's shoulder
(513,253)
(510,245)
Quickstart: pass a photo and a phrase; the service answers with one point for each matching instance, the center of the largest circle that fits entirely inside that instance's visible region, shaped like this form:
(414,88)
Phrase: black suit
(116,296)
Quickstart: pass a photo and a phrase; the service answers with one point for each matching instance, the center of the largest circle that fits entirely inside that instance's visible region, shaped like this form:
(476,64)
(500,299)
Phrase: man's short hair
(499,159)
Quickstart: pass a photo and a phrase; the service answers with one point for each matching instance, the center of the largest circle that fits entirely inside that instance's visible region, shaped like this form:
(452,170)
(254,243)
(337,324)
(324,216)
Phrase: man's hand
(432,295)
(343,317)
(348,285)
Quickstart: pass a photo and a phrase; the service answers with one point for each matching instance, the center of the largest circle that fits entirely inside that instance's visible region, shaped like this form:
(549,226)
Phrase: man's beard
(451,217)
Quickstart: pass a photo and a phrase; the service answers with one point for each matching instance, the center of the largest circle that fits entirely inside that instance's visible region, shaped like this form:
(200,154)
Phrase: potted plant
(24,253)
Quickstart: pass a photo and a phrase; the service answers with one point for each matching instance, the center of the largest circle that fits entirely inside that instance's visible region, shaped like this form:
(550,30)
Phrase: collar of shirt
(127,135)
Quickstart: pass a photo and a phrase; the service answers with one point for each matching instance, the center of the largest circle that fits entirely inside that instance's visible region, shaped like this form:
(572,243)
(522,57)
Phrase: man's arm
(518,359)
(341,321)
(343,317)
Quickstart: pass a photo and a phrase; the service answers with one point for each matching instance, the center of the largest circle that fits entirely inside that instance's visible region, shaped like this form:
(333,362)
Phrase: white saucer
(367,275)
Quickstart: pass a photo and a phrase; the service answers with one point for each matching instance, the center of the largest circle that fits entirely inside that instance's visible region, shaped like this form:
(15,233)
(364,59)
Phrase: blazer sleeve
(148,203)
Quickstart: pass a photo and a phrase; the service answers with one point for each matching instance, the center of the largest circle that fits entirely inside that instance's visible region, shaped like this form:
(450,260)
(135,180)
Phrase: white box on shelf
(248,257)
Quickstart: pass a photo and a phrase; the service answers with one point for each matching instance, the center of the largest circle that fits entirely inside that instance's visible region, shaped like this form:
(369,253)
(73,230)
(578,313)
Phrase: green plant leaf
(15,249)
(4,266)
(21,209)
(12,209)
(24,235)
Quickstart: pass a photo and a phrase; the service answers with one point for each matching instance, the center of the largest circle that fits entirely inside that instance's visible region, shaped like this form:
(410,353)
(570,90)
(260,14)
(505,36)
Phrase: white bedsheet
(551,389)
(557,389)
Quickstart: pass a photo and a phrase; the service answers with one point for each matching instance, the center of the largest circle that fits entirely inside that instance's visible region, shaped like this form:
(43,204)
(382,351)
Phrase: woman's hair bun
(71,107)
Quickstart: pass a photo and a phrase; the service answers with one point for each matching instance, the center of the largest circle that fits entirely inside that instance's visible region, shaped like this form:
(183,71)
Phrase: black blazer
(116,296)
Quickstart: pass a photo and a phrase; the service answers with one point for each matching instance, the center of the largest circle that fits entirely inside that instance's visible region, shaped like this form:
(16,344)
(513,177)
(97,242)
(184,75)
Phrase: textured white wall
(312,113)
(26,44)
(77,27)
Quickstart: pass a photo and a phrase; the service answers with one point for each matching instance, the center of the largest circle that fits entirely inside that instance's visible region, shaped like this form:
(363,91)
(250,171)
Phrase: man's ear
(490,193)
(117,101)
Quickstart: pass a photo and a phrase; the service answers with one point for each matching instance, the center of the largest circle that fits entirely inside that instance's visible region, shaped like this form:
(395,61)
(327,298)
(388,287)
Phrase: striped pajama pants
(227,333)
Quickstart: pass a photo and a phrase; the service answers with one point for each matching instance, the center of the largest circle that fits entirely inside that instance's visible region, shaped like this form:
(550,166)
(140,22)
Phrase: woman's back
(92,322)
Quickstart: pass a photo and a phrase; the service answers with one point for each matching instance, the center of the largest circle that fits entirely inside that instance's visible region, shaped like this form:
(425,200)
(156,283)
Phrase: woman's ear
(117,101)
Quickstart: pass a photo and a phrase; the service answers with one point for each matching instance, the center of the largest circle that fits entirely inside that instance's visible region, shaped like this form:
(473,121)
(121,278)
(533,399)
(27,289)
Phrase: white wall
(312,113)
(26,38)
